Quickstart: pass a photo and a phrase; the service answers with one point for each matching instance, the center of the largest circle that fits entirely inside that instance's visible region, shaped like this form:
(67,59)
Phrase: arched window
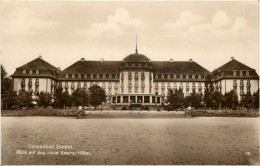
(247,73)
(73,75)
(181,77)
(37,72)
(193,76)
(187,76)
(30,72)
(199,76)
(24,71)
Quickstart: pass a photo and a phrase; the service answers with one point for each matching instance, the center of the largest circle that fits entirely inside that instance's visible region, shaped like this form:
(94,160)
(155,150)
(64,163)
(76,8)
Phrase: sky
(210,33)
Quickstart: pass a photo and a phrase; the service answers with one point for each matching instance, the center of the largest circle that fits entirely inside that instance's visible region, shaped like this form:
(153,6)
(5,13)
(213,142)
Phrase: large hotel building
(135,79)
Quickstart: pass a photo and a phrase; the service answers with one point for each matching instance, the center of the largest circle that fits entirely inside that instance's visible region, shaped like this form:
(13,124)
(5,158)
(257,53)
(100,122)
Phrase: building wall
(228,85)
(44,84)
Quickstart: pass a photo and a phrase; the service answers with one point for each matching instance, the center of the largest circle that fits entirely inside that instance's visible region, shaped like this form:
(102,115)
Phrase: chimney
(232,58)
(102,60)
(82,59)
(40,56)
(190,60)
(171,60)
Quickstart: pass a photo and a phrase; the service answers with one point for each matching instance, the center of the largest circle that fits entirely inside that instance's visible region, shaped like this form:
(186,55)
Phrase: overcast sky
(63,32)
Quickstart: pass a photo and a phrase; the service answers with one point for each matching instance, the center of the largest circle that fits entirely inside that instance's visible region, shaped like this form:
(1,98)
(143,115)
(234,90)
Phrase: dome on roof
(136,58)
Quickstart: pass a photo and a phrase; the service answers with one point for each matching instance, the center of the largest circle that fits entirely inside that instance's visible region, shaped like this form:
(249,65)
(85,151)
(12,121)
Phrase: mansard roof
(45,69)
(178,67)
(226,70)
(232,65)
(90,67)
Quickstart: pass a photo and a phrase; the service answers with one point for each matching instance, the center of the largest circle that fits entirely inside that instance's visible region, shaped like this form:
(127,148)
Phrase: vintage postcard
(129,83)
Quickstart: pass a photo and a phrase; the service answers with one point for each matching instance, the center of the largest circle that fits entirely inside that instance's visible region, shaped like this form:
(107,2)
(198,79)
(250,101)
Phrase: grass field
(202,140)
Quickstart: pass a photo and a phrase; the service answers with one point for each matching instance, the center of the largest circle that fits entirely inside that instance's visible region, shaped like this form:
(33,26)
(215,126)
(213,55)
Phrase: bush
(223,113)
(40,112)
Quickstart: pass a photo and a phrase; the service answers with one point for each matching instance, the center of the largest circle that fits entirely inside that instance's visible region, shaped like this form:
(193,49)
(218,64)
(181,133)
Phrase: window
(67,76)
(73,75)
(247,73)
(72,85)
(199,76)
(125,99)
(79,76)
(241,73)
(30,72)
(234,73)
(103,85)
(66,86)
(24,71)
(136,75)
(23,84)
(181,77)
(187,76)
(30,85)
(37,72)
(146,99)
(79,85)
(142,90)
(193,76)
(174,76)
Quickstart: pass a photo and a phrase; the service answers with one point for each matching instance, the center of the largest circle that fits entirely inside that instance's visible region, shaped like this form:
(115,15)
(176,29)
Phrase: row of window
(136,99)
(169,76)
(95,76)
(240,73)
(31,72)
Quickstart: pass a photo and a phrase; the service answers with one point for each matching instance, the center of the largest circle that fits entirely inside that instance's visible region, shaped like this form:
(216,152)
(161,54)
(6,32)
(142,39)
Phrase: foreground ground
(204,140)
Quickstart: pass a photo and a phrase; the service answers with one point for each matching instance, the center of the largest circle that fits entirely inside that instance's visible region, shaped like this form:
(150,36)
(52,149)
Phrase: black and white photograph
(129,82)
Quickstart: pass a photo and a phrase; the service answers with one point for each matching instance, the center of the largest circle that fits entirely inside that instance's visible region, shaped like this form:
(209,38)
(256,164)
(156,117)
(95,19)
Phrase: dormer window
(181,77)
(79,76)
(174,76)
(30,72)
(193,76)
(67,76)
(24,71)
(234,73)
(85,76)
(187,76)
(73,75)
(241,73)
(199,76)
(247,73)
(37,72)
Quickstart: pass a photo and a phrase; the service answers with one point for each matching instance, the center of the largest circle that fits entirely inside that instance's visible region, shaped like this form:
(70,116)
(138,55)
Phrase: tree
(216,99)
(209,89)
(61,99)
(97,95)
(43,99)
(231,100)
(7,94)
(3,72)
(80,97)
(175,99)
(255,99)
(193,100)
(247,101)
(24,98)
(9,99)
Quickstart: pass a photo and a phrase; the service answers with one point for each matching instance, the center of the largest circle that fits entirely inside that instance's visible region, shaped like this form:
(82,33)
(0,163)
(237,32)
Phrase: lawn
(201,140)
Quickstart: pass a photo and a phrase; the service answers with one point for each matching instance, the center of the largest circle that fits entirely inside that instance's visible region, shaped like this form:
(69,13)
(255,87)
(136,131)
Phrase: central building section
(136,81)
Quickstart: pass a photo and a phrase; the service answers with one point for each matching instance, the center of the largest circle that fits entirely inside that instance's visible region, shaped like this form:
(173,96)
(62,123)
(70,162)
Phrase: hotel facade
(135,79)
